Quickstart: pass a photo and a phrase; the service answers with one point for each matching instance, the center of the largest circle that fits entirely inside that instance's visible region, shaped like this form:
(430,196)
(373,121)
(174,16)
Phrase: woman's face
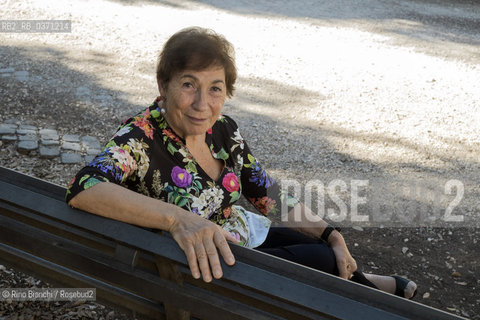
(194,100)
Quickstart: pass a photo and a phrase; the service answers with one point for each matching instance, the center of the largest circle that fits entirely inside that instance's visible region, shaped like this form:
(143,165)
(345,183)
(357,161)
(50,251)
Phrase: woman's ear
(162,88)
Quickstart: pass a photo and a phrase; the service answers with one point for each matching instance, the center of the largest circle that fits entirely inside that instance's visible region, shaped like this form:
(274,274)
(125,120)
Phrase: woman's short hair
(197,48)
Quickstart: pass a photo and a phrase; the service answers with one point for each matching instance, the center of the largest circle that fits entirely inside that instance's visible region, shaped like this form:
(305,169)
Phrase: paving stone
(5,70)
(49,152)
(21,75)
(28,137)
(49,142)
(89,158)
(9,138)
(82,91)
(26,132)
(89,138)
(27,146)
(48,132)
(49,137)
(12,121)
(71,158)
(92,145)
(93,152)
(27,127)
(7,128)
(71,146)
(71,138)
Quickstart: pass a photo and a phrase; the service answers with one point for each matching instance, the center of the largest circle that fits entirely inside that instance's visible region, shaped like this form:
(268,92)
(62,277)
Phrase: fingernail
(217,273)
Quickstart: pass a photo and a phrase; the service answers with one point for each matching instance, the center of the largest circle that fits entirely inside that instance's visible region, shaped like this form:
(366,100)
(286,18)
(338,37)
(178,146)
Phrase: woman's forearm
(304,220)
(116,202)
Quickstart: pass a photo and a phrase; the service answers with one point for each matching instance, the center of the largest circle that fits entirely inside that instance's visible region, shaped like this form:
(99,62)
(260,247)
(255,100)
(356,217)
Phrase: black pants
(296,247)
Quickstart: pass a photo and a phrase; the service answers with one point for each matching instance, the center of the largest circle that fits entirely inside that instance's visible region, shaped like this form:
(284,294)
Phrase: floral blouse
(147,156)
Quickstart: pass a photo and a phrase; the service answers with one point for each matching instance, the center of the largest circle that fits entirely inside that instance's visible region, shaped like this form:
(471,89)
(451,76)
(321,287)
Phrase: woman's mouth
(196,120)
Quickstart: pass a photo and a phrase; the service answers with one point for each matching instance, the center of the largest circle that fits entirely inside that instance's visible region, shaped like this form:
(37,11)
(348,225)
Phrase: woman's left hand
(345,262)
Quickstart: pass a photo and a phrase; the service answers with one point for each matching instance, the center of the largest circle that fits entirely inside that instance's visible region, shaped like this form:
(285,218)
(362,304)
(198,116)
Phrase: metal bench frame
(42,236)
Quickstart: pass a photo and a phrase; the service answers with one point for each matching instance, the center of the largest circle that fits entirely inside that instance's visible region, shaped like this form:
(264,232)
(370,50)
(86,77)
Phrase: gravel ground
(386,92)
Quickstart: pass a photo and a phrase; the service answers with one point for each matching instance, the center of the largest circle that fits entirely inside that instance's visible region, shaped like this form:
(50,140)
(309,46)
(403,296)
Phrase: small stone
(9,138)
(7,70)
(48,142)
(426,295)
(7,128)
(404,250)
(355,244)
(71,138)
(2,267)
(9,301)
(358,228)
(456,274)
(405,240)
(71,146)
(463,283)
(27,146)
(46,152)
(409,254)
(1,143)
(71,158)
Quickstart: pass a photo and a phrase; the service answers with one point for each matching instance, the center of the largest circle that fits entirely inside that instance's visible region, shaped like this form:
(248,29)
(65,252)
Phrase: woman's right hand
(199,239)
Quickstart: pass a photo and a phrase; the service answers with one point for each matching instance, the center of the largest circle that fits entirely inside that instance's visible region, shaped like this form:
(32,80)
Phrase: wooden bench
(42,236)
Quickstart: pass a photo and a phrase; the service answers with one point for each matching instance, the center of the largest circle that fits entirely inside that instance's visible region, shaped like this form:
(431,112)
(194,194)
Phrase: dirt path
(387,92)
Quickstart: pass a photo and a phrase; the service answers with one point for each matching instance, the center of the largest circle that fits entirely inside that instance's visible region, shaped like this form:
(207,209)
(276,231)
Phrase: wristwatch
(326,233)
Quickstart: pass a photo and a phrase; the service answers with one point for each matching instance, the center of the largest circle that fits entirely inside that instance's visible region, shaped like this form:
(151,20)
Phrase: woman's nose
(200,100)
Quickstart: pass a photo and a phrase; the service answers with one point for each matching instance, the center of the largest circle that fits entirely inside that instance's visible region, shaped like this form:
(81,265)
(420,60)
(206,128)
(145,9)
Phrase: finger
(192,262)
(213,259)
(203,262)
(227,235)
(354,266)
(223,247)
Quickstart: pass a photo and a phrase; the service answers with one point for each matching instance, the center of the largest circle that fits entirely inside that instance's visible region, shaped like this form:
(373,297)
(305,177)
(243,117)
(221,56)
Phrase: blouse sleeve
(124,158)
(258,186)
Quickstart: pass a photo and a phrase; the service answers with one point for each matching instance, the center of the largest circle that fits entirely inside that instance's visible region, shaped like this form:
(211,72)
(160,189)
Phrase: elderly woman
(180,166)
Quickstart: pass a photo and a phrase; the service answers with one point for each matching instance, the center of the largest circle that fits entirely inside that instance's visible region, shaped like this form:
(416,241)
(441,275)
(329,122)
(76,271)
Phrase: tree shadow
(449,27)
(269,114)
(58,94)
